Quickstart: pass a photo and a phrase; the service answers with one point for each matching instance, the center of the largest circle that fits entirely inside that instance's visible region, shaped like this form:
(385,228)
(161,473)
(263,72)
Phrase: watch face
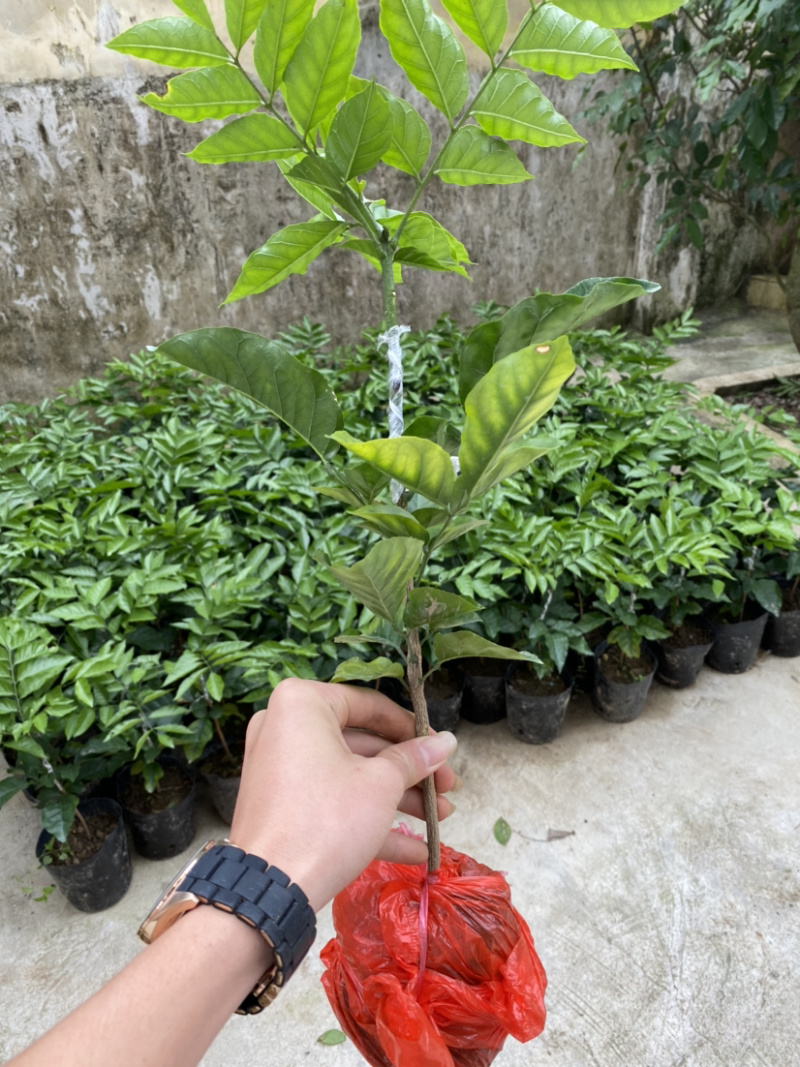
(171,904)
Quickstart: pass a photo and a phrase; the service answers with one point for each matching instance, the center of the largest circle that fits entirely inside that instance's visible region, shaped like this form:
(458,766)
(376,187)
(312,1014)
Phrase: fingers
(402,848)
(365,744)
(363,709)
(418,758)
(412,804)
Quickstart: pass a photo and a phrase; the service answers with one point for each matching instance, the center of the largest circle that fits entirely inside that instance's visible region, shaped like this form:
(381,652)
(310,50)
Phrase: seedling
(325,130)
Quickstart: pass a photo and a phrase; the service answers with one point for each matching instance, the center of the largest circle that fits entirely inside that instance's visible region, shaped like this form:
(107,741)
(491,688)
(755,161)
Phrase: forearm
(167,1006)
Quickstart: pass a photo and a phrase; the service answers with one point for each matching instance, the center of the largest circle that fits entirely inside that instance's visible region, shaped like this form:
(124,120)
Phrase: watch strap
(265,898)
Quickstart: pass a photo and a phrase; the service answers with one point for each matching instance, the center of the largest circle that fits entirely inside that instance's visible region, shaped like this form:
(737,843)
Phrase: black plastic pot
(679,667)
(532,718)
(782,634)
(223,790)
(161,834)
(620,701)
(444,711)
(484,698)
(736,645)
(104,878)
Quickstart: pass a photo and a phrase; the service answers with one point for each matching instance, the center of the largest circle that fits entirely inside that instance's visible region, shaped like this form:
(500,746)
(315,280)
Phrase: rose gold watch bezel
(171,905)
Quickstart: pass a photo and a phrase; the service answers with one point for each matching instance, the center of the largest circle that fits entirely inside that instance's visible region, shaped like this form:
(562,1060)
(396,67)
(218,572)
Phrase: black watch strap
(263,897)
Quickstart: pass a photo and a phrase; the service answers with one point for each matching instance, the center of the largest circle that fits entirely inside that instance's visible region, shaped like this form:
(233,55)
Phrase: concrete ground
(668,921)
(736,339)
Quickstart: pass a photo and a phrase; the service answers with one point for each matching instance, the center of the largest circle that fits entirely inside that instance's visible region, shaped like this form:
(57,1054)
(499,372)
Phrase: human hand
(325,769)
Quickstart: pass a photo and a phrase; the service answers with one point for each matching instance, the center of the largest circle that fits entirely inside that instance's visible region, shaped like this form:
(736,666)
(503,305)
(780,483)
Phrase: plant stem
(222,740)
(414,651)
(423,729)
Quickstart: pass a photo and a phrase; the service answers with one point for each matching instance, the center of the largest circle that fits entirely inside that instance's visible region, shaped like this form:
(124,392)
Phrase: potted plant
(682,602)
(537,694)
(782,634)
(624,665)
(156,789)
(48,729)
(688,577)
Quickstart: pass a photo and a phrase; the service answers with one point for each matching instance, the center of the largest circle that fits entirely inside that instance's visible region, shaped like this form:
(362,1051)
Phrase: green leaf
(263,370)
(417,464)
(79,722)
(457,528)
(58,815)
(317,176)
(172,42)
(425,47)
(9,787)
(331,1037)
(768,594)
(251,139)
(356,670)
(437,609)
(440,431)
(555,42)
(196,10)
(361,133)
(411,138)
(279,31)
(694,232)
(618,14)
(516,109)
(502,832)
(464,644)
(379,580)
(215,687)
(425,243)
(83,691)
(210,93)
(318,73)
(483,21)
(474,158)
(391,521)
(542,318)
(503,407)
(241,18)
(291,250)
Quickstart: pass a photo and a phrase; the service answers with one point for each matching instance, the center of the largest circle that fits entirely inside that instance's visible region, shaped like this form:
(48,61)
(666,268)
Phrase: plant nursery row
(167,548)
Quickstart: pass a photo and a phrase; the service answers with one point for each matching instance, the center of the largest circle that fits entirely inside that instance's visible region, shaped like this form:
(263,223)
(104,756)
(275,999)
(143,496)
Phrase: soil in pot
(681,655)
(162,823)
(736,644)
(222,773)
(621,683)
(484,698)
(535,707)
(782,634)
(444,691)
(94,870)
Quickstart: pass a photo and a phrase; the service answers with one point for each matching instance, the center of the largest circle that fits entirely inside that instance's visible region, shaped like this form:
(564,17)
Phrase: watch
(245,886)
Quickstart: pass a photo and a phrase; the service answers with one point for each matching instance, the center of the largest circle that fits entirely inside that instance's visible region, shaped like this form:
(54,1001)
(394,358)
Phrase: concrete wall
(112,240)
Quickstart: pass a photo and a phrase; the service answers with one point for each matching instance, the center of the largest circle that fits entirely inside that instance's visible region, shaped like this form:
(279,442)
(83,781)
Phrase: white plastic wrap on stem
(392,341)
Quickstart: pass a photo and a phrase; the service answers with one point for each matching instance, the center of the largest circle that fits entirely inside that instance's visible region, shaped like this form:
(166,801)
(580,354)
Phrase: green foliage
(324,128)
(718,140)
(163,540)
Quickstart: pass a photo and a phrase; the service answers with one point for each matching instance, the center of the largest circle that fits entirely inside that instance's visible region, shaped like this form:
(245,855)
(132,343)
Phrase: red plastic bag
(441,989)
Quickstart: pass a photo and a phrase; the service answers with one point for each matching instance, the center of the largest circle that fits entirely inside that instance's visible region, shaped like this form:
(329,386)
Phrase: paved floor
(668,922)
(736,339)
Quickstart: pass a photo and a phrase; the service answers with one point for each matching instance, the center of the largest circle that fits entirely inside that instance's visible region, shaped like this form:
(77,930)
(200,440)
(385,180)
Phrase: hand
(325,769)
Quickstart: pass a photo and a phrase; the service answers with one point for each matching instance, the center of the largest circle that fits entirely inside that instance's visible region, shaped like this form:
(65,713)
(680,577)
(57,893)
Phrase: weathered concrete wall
(112,240)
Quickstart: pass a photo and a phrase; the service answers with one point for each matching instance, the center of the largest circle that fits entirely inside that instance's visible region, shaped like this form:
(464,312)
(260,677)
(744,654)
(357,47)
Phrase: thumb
(421,756)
